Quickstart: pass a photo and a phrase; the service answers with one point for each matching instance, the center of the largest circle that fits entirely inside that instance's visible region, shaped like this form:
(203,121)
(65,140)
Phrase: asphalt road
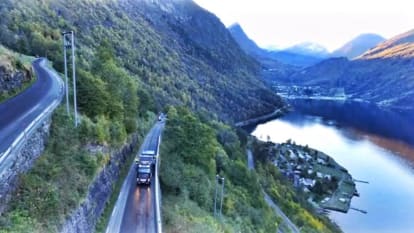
(134,211)
(18,112)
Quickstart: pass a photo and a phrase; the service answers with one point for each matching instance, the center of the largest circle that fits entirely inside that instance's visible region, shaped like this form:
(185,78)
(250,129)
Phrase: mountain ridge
(358,45)
(283,57)
(401,45)
(383,75)
(247,44)
(309,49)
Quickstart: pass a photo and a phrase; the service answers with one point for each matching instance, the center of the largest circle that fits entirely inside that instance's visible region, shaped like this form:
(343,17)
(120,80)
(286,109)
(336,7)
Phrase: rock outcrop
(11,79)
(85,217)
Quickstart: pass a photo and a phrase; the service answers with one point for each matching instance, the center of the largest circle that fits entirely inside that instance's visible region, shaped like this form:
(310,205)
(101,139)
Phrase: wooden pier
(359,210)
(361,181)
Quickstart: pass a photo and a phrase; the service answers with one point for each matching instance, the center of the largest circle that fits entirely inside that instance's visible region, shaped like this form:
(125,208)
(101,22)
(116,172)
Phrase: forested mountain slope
(135,57)
(178,52)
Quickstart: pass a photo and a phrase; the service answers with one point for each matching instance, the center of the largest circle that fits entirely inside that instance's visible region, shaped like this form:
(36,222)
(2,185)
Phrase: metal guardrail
(158,219)
(27,132)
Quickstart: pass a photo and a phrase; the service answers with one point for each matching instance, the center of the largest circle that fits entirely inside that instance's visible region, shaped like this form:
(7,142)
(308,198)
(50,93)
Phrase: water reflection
(396,124)
(378,155)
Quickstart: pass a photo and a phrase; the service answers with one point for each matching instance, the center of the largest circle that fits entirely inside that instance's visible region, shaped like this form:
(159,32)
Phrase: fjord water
(375,145)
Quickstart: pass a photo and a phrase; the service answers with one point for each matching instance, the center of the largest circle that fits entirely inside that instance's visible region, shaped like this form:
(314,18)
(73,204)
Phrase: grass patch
(183,215)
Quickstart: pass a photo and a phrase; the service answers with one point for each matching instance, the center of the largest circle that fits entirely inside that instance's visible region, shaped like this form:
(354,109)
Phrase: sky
(330,23)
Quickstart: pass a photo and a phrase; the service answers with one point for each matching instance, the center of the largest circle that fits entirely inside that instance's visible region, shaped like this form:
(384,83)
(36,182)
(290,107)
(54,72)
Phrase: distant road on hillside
(286,221)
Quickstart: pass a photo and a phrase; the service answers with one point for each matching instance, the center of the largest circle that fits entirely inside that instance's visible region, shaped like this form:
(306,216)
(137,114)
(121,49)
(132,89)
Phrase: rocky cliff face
(30,151)
(85,217)
(11,79)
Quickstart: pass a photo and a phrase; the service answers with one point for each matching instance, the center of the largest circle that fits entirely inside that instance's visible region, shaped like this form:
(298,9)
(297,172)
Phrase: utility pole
(217,182)
(65,45)
(70,44)
(222,195)
(215,194)
(74,80)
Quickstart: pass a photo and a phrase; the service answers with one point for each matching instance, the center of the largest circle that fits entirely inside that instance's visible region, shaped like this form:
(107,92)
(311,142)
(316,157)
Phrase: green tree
(94,97)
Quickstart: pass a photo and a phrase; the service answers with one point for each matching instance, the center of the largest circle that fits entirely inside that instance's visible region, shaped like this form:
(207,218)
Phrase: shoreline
(328,184)
(379,104)
(264,118)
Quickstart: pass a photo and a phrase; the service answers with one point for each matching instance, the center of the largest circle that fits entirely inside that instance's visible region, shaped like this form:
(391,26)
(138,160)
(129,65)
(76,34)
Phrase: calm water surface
(373,144)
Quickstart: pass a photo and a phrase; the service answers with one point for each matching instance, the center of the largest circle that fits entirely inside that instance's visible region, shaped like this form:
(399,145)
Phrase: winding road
(18,113)
(135,209)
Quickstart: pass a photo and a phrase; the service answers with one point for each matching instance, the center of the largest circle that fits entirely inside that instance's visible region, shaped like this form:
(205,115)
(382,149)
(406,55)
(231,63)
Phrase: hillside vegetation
(193,151)
(178,53)
(133,58)
(59,179)
(191,157)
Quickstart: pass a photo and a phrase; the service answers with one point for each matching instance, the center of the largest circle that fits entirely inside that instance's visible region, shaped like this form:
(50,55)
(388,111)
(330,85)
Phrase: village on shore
(326,184)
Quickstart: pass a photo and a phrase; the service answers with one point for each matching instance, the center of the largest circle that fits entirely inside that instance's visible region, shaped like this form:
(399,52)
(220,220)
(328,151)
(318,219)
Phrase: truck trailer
(144,173)
(148,155)
(145,165)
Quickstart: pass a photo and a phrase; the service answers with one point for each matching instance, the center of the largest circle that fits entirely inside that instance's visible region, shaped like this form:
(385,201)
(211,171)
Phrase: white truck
(145,166)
